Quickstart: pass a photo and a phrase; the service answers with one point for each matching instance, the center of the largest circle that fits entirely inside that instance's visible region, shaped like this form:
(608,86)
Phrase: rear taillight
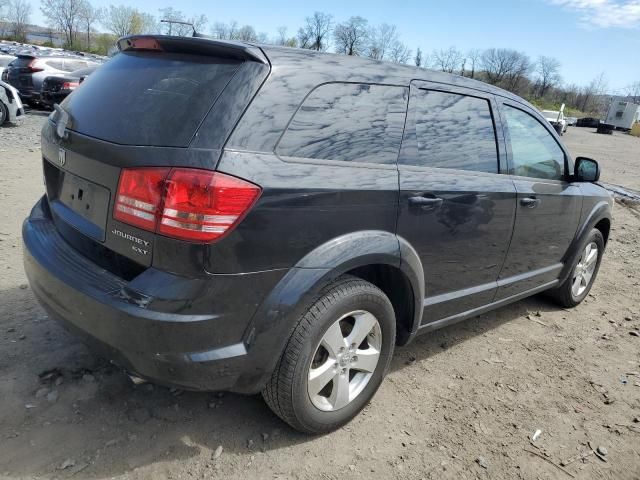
(184,203)
(70,85)
(139,196)
(33,67)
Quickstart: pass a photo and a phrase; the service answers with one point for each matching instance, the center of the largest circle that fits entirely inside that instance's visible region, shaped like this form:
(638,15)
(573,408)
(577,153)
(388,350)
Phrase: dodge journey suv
(265,219)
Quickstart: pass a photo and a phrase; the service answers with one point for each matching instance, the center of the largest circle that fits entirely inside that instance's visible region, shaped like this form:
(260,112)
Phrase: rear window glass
(58,64)
(348,122)
(83,71)
(22,62)
(148,98)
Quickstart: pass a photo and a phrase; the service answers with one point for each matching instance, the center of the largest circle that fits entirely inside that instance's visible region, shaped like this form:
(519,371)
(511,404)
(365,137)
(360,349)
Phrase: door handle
(529,202)
(425,201)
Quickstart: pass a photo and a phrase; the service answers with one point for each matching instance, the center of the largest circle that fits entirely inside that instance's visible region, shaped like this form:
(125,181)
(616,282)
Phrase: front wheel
(335,359)
(585,269)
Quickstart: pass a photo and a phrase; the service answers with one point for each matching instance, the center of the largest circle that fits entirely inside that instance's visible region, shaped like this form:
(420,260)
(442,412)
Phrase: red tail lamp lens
(139,196)
(184,203)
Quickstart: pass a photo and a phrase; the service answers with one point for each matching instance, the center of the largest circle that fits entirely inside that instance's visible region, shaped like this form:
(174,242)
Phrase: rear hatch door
(143,108)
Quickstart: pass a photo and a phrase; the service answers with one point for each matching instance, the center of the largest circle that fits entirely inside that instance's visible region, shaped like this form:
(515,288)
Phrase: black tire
(4,113)
(564,294)
(286,393)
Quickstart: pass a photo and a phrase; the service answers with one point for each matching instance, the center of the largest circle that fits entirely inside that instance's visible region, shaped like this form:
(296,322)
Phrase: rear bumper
(29,94)
(190,333)
(49,98)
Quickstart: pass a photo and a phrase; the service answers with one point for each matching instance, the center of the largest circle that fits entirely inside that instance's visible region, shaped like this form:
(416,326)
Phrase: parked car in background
(27,72)
(590,122)
(222,216)
(5,60)
(556,119)
(571,121)
(11,109)
(56,88)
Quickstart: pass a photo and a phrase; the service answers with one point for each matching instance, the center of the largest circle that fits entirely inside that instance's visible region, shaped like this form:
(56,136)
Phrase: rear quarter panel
(302,206)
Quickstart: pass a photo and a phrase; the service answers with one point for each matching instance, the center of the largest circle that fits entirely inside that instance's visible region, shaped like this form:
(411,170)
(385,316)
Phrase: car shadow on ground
(431,343)
(83,414)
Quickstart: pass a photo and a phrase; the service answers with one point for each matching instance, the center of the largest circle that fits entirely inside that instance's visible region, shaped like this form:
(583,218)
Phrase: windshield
(149,98)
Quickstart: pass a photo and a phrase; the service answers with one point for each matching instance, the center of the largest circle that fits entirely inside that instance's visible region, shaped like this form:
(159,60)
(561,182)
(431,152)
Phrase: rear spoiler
(197,45)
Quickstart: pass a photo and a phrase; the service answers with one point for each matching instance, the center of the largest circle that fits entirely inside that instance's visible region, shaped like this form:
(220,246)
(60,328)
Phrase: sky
(587,36)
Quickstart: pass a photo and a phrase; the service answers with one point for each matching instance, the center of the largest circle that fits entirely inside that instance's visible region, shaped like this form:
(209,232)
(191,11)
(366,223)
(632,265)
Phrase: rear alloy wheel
(344,361)
(585,269)
(335,359)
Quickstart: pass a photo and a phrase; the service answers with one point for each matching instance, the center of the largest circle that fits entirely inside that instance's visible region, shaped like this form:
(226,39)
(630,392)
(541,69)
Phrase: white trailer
(623,115)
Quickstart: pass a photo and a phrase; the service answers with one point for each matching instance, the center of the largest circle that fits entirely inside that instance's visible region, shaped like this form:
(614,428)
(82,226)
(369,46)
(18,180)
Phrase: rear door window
(149,98)
(453,131)
(348,122)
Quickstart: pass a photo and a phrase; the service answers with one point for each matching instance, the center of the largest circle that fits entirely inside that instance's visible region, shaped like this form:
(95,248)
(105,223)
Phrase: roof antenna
(171,22)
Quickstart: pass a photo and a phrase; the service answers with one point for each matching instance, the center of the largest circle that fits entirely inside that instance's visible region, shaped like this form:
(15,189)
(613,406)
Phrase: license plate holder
(86,203)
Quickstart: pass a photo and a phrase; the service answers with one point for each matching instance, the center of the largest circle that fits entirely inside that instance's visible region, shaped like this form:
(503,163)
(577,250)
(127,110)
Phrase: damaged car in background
(11,108)
(57,87)
(557,119)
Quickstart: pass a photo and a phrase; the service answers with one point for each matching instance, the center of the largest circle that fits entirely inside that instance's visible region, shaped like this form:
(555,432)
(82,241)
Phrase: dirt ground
(460,403)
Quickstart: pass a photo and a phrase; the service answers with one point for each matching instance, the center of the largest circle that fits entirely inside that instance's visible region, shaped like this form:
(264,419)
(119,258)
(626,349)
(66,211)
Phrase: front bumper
(155,326)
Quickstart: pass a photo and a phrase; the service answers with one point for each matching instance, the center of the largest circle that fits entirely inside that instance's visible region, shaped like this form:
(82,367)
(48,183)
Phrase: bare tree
(548,72)
(447,60)
(633,92)
(63,15)
(4,4)
(590,98)
(247,34)
(473,56)
(505,68)
(399,52)
(199,22)
(284,40)
(281,39)
(225,31)
(122,20)
(89,16)
(418,58)
(314,35)
(350,37)
(18,17)
(381,39)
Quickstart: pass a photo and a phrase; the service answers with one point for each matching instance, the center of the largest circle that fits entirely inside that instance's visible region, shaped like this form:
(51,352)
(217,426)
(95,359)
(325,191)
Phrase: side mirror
(586,170)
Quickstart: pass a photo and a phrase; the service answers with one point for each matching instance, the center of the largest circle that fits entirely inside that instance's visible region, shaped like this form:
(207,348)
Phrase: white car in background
(557,119)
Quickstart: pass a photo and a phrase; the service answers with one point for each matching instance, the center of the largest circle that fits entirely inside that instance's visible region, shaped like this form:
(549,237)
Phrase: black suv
(223,216)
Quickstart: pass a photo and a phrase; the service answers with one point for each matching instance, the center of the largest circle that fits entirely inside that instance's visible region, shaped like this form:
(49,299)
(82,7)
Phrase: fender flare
(600,211)
(278,314)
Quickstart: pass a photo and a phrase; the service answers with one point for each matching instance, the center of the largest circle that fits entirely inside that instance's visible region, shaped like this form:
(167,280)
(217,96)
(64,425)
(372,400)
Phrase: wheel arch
(599,218)
(366,254)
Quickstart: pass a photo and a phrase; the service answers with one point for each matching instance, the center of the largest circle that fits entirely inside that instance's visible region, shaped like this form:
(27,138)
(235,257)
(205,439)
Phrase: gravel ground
(460,403)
